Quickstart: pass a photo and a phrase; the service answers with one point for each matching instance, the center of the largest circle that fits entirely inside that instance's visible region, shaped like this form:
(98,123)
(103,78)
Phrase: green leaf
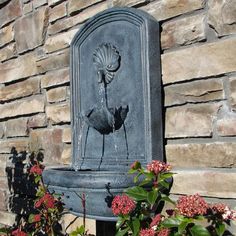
(51,210)
(119,222)
(144,182)
(198,230)
(40,192)
(199,218)
(136,177)
(31,218)
(182,227)
(132,171)
(137,193)
(149,175)
(122,232)
(79,231)
(37,179)
(136,226)
(167,199)
(166,175)
(152,196)
(4,231)
(220,229)
(171,222)
(177,234)
(164,184)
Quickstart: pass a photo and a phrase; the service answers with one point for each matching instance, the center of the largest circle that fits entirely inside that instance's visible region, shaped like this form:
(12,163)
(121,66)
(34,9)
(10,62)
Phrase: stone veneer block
(219,154)
(52,62)
(22,107)
(54,2)
(3,1)
(8,52)
(75,5)
(58,12)
(190,121)
(233,92)
(18,68)
(2,130)
(38,3)
(128,3)
(17,127)
(66,155)
(66,135)
(183,32)
(21,144)
(28,7)
(21,89)
(222,16)
(4,200)
(59,41)
(165,9)
(50,140)
(10,12)
(39,120)
(30,30)
(7,218)
(210,183)
(3,163)
(59,113)
(6,35)
(197,62)
(195,91)
(226,126)
(3,183)
(78,19)
(57,94)
(55,78)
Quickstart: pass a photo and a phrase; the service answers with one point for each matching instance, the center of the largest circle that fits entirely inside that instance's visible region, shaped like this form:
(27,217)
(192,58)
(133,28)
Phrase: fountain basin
(73,184)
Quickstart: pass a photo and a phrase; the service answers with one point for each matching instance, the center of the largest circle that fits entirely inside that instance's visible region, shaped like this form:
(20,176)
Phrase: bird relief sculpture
(102,118)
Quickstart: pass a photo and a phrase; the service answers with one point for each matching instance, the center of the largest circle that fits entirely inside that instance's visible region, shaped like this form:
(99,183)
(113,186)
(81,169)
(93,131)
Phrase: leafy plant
(138,208)
(47,211)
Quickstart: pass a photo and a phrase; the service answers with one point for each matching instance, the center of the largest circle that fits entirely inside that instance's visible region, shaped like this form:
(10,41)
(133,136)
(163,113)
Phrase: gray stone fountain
(116,108)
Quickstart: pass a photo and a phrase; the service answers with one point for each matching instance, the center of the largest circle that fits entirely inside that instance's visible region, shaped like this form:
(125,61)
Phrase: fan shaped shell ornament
(106,59)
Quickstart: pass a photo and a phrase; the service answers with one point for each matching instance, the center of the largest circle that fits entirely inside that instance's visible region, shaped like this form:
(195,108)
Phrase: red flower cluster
(122,205)
(156,220)
(36,169)
(192,205)
(164,232)
(37,218)
(147,232)
(224,210)
(48,200)
(158,167)
(219,208)
(18,232)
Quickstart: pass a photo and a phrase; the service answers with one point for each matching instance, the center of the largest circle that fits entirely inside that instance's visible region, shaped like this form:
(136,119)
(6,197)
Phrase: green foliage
(151,190)
(79,231)
(48,209)
(198,230)
(137,193)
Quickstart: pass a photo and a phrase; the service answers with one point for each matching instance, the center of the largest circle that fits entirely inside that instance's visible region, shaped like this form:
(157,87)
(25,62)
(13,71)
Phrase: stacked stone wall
(198,40)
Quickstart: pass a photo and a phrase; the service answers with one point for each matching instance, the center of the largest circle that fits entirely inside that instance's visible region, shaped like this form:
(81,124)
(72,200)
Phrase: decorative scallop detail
(106,60)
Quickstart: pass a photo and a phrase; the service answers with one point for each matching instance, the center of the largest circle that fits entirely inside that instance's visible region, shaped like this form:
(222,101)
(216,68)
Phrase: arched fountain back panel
(116,91)
(116,109)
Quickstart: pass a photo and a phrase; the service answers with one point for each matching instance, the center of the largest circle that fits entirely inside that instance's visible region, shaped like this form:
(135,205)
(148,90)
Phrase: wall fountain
(116,109)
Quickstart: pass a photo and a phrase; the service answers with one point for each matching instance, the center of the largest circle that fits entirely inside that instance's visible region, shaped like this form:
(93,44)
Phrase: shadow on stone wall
(22,187)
